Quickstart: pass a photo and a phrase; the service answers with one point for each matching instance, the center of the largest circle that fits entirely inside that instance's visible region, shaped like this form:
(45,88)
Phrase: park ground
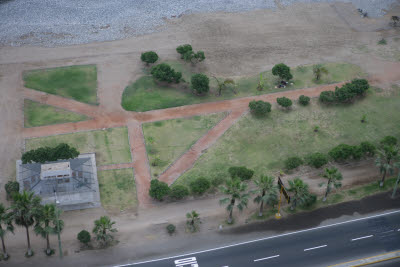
(237,45)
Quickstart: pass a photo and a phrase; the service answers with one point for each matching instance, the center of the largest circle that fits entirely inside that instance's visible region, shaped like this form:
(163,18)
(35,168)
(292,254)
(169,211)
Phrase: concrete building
(72,183)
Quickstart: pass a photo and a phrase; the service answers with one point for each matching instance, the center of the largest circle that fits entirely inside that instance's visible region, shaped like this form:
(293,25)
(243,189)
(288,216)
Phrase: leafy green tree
(389,141)
(367,148)
(225,84)
(192,221)
(200,83)
(103,228)
(334,179)
(165,73)
(384,161)
(317,159)
(259,108)
(200,185)
(284,102)
(327,97)
(84,237)
(293,162)
(5,226)
(178,192)
(318,70)
(149,57)
(341,152)
(300,192)
(44,154)
(23,209)
(47,223)
(304,100)
(282,71)
(266,191)
(344,94)
(184,49)
(158,189)
(238,196)
(359,86)
(241,172)
(188,54)
(11,188)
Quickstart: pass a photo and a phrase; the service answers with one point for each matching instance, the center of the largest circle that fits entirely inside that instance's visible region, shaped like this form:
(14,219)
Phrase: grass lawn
(111,145)
(263,144)
(167,140)
(145,94)
(117,190)
(76,82)
(37,114)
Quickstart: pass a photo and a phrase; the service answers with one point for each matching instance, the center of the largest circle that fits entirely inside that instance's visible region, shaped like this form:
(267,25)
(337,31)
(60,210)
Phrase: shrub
(84,237)
(11,187)
(158,190)
(284,102)
(171,229)
(359,86)
(188,54)
(382,42)
(327,97)
(200,185)
(389,141)
(310,200)
(217,181)
(293,162)
(241,172)
(341,152)
(156,162)
(44,154)
(165,73)
(317,160)
(200,83)
(282,71)
(344,94)
(259,108)
(367,148)
(304,100)
(183,49)
(149,57)
(178,192)
(356,152)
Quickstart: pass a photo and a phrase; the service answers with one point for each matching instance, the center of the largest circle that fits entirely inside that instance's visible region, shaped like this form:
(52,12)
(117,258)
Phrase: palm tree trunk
(327,191)
(383,178)
(260,213)
(5,255)
(29,242)
(230,219)
(48,250)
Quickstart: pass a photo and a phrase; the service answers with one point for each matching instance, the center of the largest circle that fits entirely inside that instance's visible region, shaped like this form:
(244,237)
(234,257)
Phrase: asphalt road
(320,246)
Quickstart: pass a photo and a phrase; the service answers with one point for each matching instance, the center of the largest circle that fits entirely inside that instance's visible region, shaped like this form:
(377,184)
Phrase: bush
(165,73)
(241,172)
(327,97)
(217,181)
(149,57)
(11,187)
(317,160)
(188,54)
(367,148)
(284,102)
(304,100)
(356,152)
(178,192)
(158,190)
(382,42)
(359,86)
(44,154)
(200,185)
(200,83)
(389,141)
(171,229)
(310,200)
(293,162)
(259,108)
(341,152)
(84,237)
(282,71)
(344,94)
(183,49)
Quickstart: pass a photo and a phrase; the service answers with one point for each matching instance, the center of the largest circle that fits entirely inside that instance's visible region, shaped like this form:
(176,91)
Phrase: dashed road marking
(387,232)
(315,247)
(271,257)
(363,237)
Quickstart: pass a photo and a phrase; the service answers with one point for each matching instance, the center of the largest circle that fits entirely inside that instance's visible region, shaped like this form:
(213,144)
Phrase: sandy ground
(235,45)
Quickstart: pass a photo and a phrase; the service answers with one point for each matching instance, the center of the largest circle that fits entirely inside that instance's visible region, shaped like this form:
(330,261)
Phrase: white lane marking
(398,230)
(267,258)
(358,238)
(258,240)
(315,247)
(192,262)
(387,232)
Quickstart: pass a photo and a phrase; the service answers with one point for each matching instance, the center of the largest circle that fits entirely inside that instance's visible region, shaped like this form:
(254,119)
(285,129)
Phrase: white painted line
(358,238)
(267,258)
(258,240)
(387,232)
(398,230)
(316,247)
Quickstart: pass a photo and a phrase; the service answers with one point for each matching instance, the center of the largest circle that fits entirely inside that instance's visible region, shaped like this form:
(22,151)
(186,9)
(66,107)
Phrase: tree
(178,192)
(300,192)
(188,54)
(260,85)
(341,152)
(266,192)
(200,83)
(327,97)
(384,161)
(367,148)
(165,73)
(282,71)
(389,141)
(358,86)
(344,94)
(103,228)
(317,160)
(149,57)
(259,108)
(44,154)
(183,49)
(241,172)
(200,185)
(334,178)
(158,189)
(284,102)
(238,196)
(11,188)
(193,221)
(5,226)
(47,223)
(293,162)
(304,100)
(23,209)
(224,85)
(318,70)
(84,237)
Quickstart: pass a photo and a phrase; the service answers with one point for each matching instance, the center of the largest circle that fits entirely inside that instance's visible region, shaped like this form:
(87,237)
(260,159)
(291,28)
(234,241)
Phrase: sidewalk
(370,260)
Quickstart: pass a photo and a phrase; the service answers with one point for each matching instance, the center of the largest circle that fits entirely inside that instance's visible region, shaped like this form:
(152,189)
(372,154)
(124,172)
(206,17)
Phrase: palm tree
(193,220)
(23,209)
(318,70)
(334,177)
(5,219)
(266,192)
(300,192)
(102,229)
(384,160)
(236,190)
(47,223)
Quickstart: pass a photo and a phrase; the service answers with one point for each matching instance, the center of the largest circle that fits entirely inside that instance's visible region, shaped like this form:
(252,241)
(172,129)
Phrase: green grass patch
(264,144)
(76,82)
(111,145)
(167,140)
(37,114)
(145,94)
(117,190)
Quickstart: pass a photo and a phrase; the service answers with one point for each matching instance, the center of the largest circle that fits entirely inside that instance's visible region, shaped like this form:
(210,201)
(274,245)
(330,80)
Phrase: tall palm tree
(6,222)
(23,209)
(193,220)
(300,192)
(334,177)
(266,192)
(318,70)
(47,223)
(102,229)
(238,196)
(384,160)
